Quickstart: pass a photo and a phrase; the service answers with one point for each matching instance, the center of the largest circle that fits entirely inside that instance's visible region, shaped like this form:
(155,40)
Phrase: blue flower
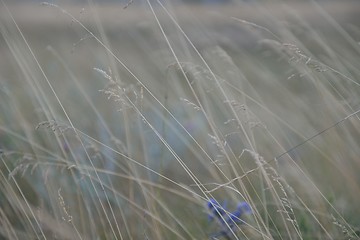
(242,208)
(228,220)
(216,210)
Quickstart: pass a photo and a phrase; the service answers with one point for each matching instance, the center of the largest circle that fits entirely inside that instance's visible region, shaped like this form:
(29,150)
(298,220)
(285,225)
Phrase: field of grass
(161,120)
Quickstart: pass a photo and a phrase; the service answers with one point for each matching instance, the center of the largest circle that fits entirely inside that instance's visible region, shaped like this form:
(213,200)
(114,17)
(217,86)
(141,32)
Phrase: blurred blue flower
(242,208)
(217,210)
(228,220)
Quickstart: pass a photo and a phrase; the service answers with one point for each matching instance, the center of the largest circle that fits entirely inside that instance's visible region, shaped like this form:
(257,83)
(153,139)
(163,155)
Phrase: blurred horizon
(175,1)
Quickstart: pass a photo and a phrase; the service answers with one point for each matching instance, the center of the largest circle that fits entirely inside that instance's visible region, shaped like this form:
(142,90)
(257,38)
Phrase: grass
(162,121)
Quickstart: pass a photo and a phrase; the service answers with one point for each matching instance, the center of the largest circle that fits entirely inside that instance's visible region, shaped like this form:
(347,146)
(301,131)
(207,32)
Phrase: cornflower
(227,220)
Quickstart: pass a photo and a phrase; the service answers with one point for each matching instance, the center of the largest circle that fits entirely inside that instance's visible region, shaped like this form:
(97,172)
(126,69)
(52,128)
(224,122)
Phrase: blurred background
(268,75)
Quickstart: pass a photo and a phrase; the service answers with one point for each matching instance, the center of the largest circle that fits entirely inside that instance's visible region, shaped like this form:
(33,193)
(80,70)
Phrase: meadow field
(162,120)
